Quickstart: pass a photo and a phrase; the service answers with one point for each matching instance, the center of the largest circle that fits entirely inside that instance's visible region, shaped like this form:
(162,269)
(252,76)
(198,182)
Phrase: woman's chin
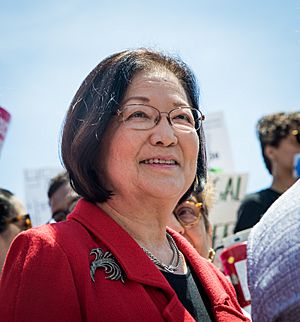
(165,191)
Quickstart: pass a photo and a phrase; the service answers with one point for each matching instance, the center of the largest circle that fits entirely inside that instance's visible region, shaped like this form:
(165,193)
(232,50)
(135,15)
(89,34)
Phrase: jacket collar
(138,267)
(205,271)
(130,256)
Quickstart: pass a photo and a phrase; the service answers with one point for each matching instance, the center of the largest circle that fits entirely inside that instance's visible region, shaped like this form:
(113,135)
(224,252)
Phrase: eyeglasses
(22,221)
(146,117)
(296,134)
(60,215)
(188,213)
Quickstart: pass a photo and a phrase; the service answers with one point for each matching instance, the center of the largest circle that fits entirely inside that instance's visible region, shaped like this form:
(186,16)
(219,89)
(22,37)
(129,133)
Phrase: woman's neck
(144,224)
(282,183)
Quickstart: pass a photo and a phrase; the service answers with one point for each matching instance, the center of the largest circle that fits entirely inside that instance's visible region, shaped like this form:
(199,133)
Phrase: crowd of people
(130,236)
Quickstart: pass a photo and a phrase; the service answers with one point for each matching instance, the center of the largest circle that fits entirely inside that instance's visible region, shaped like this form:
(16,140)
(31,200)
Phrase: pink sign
(4,121)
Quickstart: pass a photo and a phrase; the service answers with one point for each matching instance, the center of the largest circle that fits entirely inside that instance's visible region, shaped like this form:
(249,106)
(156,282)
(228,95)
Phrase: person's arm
(37,283)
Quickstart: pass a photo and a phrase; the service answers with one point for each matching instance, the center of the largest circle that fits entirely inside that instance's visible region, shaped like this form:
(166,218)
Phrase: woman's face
(159,162)
(199,237)
(282,157)
(196,233)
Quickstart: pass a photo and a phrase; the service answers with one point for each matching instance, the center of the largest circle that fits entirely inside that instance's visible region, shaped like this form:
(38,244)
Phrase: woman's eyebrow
(180,104)
(139,98)
(147,100)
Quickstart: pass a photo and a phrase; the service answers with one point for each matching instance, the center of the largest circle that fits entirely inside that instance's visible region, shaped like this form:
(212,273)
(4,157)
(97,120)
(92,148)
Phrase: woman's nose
(163,133)
(175,224)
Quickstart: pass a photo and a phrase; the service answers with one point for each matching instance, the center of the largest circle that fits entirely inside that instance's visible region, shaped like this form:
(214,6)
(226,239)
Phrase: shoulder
(42,235)
(268,194)
(49,234)
(257,196)
(283,214)
(260,200)
(49,240)
(38,274)
(251,209)
(273,253)
(282,217)
(252,200)
(33,244)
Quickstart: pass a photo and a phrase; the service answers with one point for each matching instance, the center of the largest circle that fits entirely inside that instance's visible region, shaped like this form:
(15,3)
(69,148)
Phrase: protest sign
(230,189)
(219,154)
(36,187)
(4,121)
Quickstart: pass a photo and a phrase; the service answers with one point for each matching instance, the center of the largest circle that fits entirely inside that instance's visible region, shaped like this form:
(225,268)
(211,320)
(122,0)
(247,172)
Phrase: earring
(211,255)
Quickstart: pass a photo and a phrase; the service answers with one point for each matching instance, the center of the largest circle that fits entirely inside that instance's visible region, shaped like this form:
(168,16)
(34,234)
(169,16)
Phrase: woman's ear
(210,233)
(270,152)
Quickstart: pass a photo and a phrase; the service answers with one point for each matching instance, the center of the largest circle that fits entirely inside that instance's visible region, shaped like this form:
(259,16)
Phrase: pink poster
(4,121)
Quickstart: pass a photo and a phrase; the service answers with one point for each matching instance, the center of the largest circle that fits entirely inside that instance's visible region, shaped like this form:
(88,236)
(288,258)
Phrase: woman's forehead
(163,82)
(156,74)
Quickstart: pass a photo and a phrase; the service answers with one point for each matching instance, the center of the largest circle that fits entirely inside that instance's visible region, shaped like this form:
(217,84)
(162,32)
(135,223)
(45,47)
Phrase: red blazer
(47,276)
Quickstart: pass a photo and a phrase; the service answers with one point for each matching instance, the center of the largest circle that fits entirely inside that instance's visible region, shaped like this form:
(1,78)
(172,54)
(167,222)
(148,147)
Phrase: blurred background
(245,54)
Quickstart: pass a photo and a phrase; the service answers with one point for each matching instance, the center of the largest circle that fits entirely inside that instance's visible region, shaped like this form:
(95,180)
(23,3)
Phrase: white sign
(36,187)
(230,189)
(241,269)
(219,154)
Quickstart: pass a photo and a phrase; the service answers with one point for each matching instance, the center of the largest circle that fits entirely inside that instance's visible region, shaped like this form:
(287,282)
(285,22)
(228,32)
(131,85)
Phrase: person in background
(190,219)
(13,220)
(133,145)
(61,196)
(273,252)
(279,138)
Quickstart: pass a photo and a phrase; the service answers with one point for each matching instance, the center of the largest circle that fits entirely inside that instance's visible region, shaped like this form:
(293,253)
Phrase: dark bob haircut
(96,102)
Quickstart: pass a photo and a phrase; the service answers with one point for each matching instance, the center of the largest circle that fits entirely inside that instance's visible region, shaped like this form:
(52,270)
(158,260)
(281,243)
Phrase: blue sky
(245,54)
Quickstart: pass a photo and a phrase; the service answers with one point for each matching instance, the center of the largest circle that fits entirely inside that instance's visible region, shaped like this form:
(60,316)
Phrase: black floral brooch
(106,261)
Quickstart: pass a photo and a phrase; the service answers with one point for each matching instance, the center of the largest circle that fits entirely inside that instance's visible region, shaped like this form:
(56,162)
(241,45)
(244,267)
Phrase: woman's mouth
(159,161)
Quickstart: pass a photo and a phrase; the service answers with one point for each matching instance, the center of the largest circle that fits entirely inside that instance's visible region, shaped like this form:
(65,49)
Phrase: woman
(133,146)
(13,220)
(190,219)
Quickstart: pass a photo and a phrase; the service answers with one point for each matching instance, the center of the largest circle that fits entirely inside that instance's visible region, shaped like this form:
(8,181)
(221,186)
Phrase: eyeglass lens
(27,221)
(187,215)
(22,221)
(60,215)
(143,117)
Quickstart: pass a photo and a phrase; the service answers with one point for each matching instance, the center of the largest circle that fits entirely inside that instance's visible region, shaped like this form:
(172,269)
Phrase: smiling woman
(133,146)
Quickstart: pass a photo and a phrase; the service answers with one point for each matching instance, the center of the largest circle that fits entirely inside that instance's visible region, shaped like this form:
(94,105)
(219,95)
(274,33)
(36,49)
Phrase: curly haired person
(279,136)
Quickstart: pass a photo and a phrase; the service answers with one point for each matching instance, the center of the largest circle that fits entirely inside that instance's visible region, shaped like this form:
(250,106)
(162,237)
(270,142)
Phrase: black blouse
(191,294)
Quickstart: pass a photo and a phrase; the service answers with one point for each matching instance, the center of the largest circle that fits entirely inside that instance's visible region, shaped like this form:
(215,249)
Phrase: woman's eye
(186,213)
(137,114)
(184,118)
